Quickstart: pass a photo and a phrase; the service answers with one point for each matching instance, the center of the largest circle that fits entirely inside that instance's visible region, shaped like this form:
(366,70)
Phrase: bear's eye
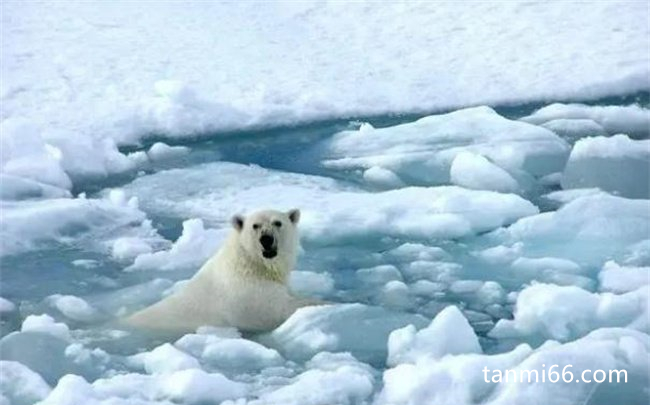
(277,224)
(256,226)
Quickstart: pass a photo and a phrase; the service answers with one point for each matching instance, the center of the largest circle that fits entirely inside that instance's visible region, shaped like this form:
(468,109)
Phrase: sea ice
(548,311)
(615,164)
(476,172)
(414,211)
(449,333)
(359,329)
(20,385)
(512,147)
(621,279)
(632,119)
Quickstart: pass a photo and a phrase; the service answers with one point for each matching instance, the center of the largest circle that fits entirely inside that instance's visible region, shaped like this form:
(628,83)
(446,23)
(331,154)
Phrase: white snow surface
(183,69)
(272,63)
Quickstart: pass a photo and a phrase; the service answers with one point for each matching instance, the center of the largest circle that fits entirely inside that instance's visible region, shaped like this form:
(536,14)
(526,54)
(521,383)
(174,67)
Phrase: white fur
(238,287)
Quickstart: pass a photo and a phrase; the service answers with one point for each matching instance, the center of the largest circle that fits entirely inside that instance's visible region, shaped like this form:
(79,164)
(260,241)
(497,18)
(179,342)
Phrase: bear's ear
(237,222)
(294,215)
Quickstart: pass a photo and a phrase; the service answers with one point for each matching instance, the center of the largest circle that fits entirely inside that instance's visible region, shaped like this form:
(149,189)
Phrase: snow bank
(616,164)
(632,120)
(547,311)
(435,141)
(355,328)
(449,333)
(211,191)
(461,379)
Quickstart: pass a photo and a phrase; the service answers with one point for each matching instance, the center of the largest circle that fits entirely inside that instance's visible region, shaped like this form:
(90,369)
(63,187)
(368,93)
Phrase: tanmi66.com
(554,374)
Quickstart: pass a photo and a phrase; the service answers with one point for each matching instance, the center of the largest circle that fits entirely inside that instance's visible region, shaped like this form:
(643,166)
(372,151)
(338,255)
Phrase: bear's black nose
(267,241)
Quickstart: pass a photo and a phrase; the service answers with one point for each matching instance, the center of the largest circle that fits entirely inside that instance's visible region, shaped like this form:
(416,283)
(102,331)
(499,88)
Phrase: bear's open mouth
(269,254)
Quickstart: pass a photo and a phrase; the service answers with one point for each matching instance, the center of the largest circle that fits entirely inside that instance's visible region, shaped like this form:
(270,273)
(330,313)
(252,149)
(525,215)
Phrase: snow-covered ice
(468,201)
(513,148)
(616,164)
(423,212)
(547,311)
(633,120)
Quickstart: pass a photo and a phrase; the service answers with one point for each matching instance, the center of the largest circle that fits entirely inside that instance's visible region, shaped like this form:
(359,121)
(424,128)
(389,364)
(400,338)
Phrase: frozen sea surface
(429,281)
(473,181)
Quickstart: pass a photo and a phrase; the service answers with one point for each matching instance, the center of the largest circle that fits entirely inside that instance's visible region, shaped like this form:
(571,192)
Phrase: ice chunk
(92,223)
(72,307)
(333,379)
(472,378)
(6,305)
(616,164)
(228,352)
(185,386)
(195,245)
(551,270)
(383,178)
(588,229)
(162,151)
(450,379)
(45,324)
(476,172)
(449,333)
(26,155)
(547,311)
(379,275)
(48,355)
(574,129)
(20,385)
(310,283)
(166,359)
(414,212)
(19,188)
(395,295)
(129,247)
(631,119)
(355,328)
(417,251)
(501,254)
(621,354)
(566,196)
(621,279)
(198,387)
(435,141)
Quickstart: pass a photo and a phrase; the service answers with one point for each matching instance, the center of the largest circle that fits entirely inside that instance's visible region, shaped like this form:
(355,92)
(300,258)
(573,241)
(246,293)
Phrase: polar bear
(244,285)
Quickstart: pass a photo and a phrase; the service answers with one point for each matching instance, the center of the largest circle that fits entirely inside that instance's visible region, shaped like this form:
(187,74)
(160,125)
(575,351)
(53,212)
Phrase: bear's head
(269,237)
